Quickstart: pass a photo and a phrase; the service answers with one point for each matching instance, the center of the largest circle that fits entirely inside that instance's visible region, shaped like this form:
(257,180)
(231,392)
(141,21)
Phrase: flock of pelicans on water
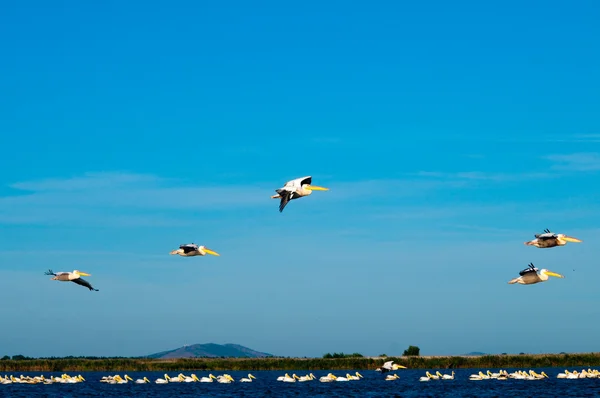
(301,187)
(330,377)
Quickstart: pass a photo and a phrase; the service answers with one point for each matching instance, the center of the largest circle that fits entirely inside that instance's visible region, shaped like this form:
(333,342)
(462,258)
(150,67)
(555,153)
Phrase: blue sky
(448,135)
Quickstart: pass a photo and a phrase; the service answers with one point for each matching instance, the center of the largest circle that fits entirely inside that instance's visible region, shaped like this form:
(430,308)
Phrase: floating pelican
(163,381)
(192,249)
(392,377)
(308,377)
(208,379)
(288,379)
(550,239)
(248,379)
(533,275)
(352,377)
(74,276)
(295,189)
(448,377)
(141,381)
(326,379)
(191,378)
(431,376)
(225,379)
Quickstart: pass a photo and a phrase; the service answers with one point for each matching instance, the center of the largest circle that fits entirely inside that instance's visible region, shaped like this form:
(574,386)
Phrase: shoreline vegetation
(95,364)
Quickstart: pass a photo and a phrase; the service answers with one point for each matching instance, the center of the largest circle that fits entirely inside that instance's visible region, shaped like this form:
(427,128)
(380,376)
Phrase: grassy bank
(233,364)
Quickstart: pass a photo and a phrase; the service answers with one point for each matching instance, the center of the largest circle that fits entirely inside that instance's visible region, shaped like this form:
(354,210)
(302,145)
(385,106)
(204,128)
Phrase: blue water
(372,385)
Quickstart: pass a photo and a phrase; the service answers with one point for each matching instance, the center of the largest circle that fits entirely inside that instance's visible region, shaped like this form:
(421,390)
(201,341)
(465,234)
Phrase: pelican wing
(531,268)
(387,366)
(83,282)
(528,271)
(297,182)
(285,198)
(189,247)
(546,236)
(306,180)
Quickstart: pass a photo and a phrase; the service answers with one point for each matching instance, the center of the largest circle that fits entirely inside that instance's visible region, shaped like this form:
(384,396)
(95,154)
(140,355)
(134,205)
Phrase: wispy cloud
(130,199)
(575,138)
(581,161)
(483,176)
(118,198)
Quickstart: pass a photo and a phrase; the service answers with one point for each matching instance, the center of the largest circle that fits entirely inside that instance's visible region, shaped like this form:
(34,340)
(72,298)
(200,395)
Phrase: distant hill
(476,354)
(210,350)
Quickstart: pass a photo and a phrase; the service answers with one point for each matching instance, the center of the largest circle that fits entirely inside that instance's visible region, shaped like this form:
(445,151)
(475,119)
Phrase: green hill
(210,350)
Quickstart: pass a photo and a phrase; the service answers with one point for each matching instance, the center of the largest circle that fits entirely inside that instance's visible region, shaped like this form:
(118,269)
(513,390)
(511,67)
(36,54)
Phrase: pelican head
(566,238)
(77,272)
(207,250)
(544,271)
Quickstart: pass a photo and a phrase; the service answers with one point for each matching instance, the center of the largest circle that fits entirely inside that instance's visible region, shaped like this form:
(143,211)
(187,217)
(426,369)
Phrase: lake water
(372,385)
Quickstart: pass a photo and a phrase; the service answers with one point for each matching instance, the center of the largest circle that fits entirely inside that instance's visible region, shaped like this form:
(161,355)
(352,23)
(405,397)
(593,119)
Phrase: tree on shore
(412,351)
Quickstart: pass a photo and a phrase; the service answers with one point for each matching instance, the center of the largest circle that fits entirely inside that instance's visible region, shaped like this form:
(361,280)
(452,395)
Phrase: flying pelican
(74,276)
(192,249)
(534,276)
(389,366)
(550,239)
(295,189)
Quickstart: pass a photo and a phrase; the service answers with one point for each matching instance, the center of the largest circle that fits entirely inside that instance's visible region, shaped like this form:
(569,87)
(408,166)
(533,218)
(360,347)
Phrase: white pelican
(295,189)
(141,381)
(326,379)
(225,379)
(288,379)
(192,249)
(208,379)
(248,379)
(563,375)
(550,239)
(357,376)
(434,377)
(163,381)
(124,380)
(533,275)
(191,378)
(389,366)
(392,377)
(178,379)
(74,276)
(448,377)
(308,377)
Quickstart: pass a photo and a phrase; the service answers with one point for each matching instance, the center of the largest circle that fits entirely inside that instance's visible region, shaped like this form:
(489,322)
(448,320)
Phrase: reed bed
(284,364)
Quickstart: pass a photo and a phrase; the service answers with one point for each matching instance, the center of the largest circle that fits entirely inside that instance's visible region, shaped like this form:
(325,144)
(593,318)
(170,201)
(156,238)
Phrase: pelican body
(533,275)
(294,189)
(192,249)
(550,239)
(74,277)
